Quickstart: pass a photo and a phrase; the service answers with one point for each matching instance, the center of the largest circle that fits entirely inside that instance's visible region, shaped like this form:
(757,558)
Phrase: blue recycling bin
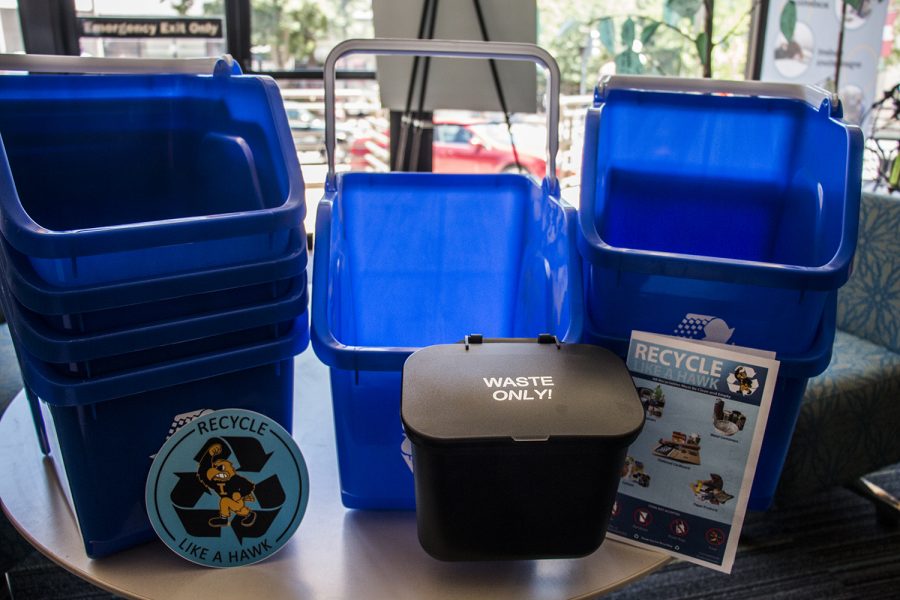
(716,210)
(406,260)
(123,177)
(725,212)
(105,431)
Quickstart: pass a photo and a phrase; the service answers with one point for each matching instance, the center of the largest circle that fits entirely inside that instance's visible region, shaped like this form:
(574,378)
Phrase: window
(10,32)
(452,134)
(298,34)
(661,37)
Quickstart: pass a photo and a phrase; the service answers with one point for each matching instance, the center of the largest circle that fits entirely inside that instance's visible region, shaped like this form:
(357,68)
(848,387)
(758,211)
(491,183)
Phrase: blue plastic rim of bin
(794,372)
(404,261)
(732,216)
(121,177)
(55,388)
(89,355)
(104,307)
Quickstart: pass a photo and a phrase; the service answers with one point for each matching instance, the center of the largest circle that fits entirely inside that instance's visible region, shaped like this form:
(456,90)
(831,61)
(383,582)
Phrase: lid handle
(474,338)
(542,338)
(548,338)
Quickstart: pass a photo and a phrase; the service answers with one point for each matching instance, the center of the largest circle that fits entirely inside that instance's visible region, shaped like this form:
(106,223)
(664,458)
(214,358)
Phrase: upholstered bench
(849,422)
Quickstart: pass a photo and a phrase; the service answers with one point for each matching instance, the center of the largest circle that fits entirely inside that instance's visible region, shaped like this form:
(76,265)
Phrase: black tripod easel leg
(401,158)
(419,126)
(495,75)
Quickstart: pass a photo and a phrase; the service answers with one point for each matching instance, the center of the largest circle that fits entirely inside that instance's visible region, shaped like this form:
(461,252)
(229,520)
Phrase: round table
(336,553)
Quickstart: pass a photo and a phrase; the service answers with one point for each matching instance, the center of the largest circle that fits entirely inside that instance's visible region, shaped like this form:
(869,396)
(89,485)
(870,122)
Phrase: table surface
(336,553)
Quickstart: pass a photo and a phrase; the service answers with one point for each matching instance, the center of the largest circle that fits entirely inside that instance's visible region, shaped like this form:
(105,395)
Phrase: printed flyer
(686,481)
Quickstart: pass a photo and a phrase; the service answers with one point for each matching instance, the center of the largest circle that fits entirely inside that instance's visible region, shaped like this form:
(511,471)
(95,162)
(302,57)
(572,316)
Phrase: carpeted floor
(832,546)
(39,579)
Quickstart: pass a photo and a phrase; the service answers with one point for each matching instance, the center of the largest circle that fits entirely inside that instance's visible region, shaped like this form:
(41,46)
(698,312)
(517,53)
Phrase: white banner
(801,47)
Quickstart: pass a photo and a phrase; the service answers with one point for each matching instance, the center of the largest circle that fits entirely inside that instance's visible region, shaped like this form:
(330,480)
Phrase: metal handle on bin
(454,49)
(811,94)
(45,63)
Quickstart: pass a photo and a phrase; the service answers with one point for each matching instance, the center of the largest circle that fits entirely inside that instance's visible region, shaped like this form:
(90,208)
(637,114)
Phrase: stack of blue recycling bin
(722,211)
(153,268)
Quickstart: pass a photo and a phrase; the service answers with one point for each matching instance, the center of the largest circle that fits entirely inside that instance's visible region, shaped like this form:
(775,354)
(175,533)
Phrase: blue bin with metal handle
(406,260)
(118,177)
(724,211)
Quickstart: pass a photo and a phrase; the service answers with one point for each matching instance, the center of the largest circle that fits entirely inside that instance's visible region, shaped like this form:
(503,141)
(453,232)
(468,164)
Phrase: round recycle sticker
(227,489)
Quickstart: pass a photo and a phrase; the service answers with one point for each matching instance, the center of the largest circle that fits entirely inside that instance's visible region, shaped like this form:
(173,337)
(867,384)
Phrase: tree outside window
(689,38)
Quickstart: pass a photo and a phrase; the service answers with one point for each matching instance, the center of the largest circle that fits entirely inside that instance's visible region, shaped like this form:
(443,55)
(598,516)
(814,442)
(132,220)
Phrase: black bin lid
(520,390)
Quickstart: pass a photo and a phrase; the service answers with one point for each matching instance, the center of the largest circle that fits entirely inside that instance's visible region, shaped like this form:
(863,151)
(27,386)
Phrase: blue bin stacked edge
(406,260)
(153,264)
(726,218)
